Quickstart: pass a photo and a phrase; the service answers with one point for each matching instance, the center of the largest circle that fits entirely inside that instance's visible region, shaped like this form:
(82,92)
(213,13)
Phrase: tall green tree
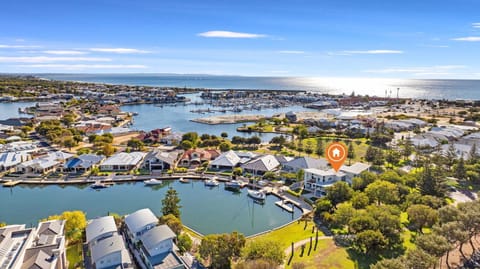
(432,181)
(339,192)
(382,192)
(460,170)
(351,153)
(219,249)
(421,216)
(171,203)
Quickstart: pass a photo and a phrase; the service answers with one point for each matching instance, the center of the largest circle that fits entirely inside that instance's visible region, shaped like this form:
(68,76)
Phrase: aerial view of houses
(405,160)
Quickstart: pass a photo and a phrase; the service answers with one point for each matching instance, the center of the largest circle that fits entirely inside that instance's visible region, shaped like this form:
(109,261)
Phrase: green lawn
(327,255)
(290,233)
(74,256)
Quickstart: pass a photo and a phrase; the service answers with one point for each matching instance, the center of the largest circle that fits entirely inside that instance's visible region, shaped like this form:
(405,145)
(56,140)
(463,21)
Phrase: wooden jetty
(11,183)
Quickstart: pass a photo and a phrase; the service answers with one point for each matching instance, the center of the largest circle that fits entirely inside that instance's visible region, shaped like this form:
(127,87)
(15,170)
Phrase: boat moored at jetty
(257,195)
(233,185)
(99,185)
(184,180)
(212,182)
(152,182)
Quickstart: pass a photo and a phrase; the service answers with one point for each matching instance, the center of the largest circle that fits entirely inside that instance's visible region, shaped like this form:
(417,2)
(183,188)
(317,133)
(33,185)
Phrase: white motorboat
(184,180)
(211,182)
(257,195)
(233,185)
(99,185)
(152,181)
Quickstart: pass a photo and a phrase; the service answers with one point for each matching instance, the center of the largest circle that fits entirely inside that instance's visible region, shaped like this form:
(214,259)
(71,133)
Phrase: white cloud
(228,34)
(468,39)
(85,66)
(373,52)
(476,25)
(120,50)
(3,46)
(291,51)
(46,59)
(65,52)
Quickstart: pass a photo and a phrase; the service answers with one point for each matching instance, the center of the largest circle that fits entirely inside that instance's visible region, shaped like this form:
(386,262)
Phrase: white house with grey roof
(44,164)
(9,160)
(226,161)
(161,160)
(107,248)
(100,228)
(40,248)
(123,161)
(110,252)
(155,246)
(158,249)
(83,163)
(261,165)
(317,180)
(139,222)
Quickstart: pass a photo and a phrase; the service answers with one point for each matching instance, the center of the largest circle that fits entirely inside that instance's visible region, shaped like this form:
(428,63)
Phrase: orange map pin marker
(336,154)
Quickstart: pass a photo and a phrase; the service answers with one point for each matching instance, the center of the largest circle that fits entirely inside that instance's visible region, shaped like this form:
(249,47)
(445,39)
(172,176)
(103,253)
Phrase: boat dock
(11,183)
(284,205)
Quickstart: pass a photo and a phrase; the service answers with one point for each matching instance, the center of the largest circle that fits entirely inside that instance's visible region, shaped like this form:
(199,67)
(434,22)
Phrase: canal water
(206,210)
(152,116)
(10,110)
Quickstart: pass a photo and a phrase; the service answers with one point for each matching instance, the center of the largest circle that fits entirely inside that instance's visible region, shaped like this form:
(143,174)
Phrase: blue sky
(335,38)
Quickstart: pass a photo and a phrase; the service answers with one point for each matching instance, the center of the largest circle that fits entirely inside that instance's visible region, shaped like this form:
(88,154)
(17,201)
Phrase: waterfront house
(110,252)
(317,180)
(261,165)
(40,248)
(8,160)
(158,249)
(44,164)
(139,222)
(107,248)
(82,163)
(161,160)
(100,228)
(226,161)
(354,170)
(123,161)
(195,157)
(304,163)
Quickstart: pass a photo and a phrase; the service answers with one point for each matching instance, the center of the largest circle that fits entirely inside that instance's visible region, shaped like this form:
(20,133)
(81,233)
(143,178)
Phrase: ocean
(407,88)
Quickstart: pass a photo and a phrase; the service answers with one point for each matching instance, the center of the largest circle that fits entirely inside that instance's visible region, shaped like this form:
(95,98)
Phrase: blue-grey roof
(107,246)
(307,162)
(100,226)
(153,237)
(84,161)
(139,219)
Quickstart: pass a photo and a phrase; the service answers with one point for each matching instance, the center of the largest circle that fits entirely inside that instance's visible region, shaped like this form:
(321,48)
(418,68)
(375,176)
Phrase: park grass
(293,232)
(74,256)
(327,255)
